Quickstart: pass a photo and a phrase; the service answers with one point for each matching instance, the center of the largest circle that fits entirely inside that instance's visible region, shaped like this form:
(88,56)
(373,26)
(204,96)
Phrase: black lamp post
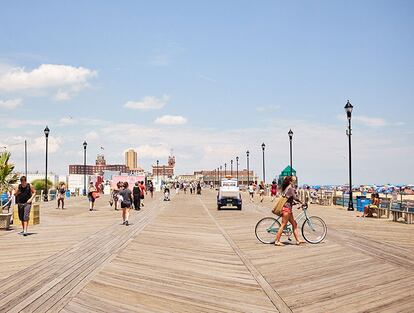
(231,168)
(263,151)
(237,169)
(47,131)
(248,171)
(25,158)
(85,144)
(218,176)
(158,162)
(348,109)
(290,133)
(163,172)
(225,169)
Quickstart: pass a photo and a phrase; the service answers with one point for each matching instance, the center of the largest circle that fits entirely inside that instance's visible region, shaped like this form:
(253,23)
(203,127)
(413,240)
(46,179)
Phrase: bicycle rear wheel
(314,229)
(266,230)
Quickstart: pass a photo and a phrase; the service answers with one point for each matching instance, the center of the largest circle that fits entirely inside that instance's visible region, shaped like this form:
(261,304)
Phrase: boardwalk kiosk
(288,171)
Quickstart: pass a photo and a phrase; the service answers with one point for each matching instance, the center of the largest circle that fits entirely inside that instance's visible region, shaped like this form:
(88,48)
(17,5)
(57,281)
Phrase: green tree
(7,177)
(39,184)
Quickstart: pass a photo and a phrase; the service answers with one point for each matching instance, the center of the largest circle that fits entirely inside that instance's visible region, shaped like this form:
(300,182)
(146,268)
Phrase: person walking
(251,192)
(151,189)
(25,194)
(262,190)
(289,191)
(126,203)
(273,190)
(143,192)
(91,196)
(136,193)
(61,196)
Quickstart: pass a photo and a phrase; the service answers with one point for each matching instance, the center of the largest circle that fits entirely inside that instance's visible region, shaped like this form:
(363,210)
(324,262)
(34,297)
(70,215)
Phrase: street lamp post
(290,133)
(248,171)
(237,169)
(25,158)
(263,151)
(231,168)
(163,172)
(46,131)
(85,144)
(348,109)
(158,162)
(225,169)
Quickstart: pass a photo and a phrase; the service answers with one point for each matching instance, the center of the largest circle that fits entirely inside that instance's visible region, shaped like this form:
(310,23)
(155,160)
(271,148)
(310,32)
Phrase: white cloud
(171,120)
(92,135)
(67,120)
(371,121)
(10,104)
(160,60)
(148,103)
(62,95)
(271,107)
(366,120)
(152,152)
(38,145)
(46,76)
(13,123)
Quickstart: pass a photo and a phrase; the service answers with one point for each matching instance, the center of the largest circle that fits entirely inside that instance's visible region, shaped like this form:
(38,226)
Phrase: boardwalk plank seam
(272,294)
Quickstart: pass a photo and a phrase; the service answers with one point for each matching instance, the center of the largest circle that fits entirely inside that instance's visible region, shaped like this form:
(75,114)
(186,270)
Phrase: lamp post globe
(85,144)
(46,131)
(348,109)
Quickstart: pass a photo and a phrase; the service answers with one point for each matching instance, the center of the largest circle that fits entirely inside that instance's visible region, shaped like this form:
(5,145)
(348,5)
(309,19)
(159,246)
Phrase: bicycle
(314,228)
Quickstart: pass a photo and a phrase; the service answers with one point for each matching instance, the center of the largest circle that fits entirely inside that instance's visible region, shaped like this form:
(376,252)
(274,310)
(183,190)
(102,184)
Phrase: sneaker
(126,223)
(20,233)
(25,234)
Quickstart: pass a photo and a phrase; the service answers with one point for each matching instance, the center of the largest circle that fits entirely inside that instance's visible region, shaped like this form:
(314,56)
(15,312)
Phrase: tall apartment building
(131,159)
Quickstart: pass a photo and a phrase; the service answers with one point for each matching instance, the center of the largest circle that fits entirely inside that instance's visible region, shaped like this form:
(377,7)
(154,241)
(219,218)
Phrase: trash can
(360,207)
(67,193)
(362,202)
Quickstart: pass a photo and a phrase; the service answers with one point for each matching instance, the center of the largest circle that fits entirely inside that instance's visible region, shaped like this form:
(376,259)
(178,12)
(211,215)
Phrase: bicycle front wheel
(266,230)
(314,229)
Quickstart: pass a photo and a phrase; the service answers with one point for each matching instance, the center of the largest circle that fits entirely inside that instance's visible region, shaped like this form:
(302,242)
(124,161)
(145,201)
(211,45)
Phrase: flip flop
(279,244)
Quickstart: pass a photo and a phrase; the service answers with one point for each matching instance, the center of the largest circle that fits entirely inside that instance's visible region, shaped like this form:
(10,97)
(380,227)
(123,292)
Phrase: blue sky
(211,79)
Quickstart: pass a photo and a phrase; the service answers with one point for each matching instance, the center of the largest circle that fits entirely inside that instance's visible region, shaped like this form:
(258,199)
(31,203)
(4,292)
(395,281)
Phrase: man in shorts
(25,194)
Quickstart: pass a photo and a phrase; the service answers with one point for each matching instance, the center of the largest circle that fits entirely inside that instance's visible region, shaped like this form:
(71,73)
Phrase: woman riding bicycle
(289,191)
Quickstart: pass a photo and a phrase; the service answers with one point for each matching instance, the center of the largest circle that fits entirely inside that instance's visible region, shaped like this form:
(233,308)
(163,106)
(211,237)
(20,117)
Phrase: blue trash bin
(67,193)
(363,203)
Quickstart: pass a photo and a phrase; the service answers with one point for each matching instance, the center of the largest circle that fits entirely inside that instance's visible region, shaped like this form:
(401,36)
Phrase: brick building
(98,168)
(166,170)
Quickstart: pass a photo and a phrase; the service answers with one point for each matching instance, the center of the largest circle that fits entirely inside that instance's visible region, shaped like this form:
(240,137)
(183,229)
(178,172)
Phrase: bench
(404,212)
(383,208)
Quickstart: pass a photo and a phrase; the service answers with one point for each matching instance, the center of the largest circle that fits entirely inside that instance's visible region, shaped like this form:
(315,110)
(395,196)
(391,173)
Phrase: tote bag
(279,205)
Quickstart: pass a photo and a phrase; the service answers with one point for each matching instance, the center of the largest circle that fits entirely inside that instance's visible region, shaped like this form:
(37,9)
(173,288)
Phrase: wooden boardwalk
(185,256)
